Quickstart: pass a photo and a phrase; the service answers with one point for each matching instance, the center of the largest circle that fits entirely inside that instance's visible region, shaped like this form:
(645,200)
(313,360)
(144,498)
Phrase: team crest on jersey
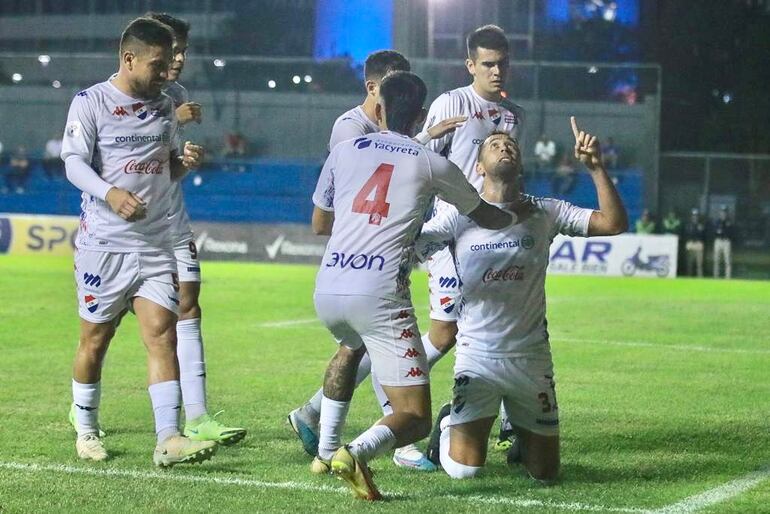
(447,304)
(494,116)
(92,303)
(140,110)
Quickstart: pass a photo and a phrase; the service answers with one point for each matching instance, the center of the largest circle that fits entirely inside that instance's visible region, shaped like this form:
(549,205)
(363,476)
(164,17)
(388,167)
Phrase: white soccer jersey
(502,274)
(351,124)
(379,187)
(462,146)
(181,229)
(129,142)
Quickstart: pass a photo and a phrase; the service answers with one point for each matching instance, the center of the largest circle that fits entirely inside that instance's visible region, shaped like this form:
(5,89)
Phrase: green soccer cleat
(356,473)
(320,466)
(74,421)
(207,428)
(177,450)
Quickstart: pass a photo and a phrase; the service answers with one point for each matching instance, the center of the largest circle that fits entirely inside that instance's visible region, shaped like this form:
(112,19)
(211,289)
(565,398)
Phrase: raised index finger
(575,129)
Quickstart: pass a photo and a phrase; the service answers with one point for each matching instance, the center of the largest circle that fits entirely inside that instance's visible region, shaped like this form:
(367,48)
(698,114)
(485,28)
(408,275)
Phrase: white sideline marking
(297,486)
(287,323)
(716,495)
(664,346)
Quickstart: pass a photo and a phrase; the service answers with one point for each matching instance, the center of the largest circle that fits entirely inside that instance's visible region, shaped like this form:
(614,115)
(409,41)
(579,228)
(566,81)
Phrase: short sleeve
(450,184)
(80,130)
(323,197)
(437,233)
(344,129)
(569,219)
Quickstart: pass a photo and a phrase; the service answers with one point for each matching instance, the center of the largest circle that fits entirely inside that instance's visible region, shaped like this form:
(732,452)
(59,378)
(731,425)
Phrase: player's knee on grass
(443,334)
(540,456)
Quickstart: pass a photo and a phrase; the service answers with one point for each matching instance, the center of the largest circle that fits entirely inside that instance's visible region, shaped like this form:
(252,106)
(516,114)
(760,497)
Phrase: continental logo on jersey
(363,143)
(141,138)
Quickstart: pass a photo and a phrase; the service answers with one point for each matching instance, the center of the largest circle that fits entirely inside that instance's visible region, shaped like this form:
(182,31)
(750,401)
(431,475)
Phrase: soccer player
(503,351)
(121,149)
(199,425)
(357,122)
(371,197)
(485,105)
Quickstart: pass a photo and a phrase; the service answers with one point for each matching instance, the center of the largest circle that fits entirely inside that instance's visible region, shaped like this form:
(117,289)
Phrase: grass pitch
(663,391)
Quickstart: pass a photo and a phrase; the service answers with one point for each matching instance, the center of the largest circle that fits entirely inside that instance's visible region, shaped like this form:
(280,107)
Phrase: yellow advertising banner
(23,234)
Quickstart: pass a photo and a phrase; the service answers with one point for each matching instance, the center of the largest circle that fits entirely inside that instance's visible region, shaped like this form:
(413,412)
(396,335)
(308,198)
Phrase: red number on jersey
(377,208)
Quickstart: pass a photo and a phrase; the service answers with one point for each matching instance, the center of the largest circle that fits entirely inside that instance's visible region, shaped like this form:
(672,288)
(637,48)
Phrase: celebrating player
(371,196)
(503,352)
(357,122)
(199,425)
(121,149)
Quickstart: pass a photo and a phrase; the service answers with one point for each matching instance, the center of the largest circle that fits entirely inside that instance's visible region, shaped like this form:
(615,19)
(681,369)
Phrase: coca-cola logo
(152,167)
(503,275)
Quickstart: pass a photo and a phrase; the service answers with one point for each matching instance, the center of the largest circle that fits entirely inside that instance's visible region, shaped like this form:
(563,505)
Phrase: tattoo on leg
(340,378)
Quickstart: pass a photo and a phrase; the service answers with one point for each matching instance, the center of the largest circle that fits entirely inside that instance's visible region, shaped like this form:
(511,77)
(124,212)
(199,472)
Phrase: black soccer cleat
(432,452)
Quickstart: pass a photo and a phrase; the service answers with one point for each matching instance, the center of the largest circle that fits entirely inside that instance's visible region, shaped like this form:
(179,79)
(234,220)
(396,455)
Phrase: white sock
(86,398)
(375,441)
(192,367)
(166,398)
(313,406)
(453,468)
(333,414)
(431,352)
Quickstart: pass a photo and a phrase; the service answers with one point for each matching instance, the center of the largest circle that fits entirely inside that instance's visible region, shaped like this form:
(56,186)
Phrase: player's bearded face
(150,70)
(502,159)
(489,70)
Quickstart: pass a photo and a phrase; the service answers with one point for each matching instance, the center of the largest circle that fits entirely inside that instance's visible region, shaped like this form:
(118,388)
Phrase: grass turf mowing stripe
(287,323)
(247,482)
(663,346)
(716,495)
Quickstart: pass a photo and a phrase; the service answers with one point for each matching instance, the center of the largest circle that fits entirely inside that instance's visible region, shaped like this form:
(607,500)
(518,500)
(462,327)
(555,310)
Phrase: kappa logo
(92,280)
(362,142)
(402,315)
(478,115)
(120,111)
(140,110)
(406,334)
(82,93)
(92,303)
(414,372)
(447,304)
(412,353)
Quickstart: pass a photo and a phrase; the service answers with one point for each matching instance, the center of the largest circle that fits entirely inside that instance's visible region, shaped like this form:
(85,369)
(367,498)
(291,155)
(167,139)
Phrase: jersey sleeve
(569,219)
(445,106)
(344,129)
(450,184)
(323,197)
(437,233)
(80,131)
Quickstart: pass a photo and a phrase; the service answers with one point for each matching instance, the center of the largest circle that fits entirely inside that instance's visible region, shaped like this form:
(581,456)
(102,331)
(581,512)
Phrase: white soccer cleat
(90,447)
(411,457)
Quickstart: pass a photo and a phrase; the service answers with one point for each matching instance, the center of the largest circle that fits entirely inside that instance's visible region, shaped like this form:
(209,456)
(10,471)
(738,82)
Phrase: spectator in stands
(235,145)
(610,154)
(52,163)
(646,223)
(564,179)
(17,176)
(723,242)
(545,152)
(672,224)
(694,237)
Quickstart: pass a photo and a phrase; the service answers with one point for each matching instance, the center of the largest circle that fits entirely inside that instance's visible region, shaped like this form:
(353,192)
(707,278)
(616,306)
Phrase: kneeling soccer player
(503,352)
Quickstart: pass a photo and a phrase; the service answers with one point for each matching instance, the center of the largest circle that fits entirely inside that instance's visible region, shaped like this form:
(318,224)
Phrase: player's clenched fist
(587,149)
(192,156)
(126,204)
(190,111)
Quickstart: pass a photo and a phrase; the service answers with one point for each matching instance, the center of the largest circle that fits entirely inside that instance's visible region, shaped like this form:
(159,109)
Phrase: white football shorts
(187,264)
(525,385)
(106,282)
(388,330)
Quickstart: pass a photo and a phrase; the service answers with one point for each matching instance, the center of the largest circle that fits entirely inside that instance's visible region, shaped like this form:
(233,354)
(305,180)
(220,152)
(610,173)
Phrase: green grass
(663,393)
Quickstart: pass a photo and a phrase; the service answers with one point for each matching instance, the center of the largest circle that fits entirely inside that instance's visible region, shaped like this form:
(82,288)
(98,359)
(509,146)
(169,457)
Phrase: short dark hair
(181,28)
(147,32)
(380,63)
(483,144)
(403,94)
(491,37)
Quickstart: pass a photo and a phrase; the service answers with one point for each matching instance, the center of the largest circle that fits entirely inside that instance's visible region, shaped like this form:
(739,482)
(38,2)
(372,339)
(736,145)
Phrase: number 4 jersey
(379,187)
